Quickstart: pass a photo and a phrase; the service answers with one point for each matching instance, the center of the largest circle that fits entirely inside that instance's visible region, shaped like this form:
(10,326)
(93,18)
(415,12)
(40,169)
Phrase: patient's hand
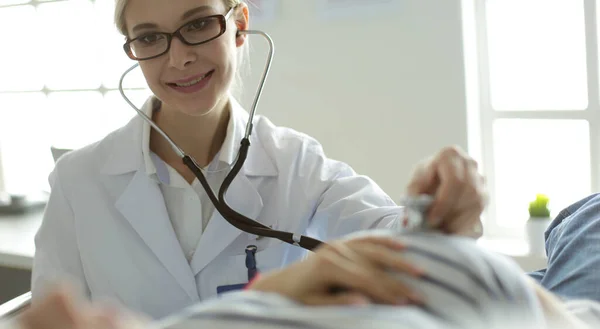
(62,309)
(358,266)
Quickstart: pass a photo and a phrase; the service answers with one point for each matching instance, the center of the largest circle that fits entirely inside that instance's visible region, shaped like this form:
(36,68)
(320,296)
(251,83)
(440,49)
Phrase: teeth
(191,83)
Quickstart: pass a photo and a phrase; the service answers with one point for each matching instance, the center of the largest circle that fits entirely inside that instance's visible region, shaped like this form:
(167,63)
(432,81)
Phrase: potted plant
(539,219)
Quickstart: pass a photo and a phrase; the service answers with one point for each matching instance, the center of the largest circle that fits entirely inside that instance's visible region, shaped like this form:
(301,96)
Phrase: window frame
(486,115)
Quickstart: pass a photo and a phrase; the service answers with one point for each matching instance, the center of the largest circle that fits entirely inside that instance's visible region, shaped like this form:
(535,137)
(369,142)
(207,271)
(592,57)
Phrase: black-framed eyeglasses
(196,32)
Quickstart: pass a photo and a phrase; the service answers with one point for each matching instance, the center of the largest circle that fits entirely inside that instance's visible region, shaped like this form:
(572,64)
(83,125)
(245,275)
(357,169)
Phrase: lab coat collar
(128,156)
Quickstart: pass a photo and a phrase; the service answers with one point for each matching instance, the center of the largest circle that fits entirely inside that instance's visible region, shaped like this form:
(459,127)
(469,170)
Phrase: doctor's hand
(452,178)
(62,309)
(362,268)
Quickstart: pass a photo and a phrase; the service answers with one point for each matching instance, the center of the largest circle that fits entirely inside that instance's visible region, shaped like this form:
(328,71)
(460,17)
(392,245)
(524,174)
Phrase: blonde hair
(121,5)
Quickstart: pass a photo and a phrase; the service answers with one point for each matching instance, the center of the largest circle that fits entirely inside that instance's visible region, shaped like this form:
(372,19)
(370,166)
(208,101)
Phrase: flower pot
(536,226)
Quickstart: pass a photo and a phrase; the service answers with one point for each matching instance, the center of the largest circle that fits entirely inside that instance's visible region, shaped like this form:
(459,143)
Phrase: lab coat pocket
(231,270)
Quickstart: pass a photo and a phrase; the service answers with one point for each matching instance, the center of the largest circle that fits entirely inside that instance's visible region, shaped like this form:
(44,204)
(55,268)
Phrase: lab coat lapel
(142,205)
(242,197)
(141,202)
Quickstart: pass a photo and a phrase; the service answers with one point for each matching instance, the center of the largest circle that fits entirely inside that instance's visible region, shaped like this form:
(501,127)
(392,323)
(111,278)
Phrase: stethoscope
(230,215)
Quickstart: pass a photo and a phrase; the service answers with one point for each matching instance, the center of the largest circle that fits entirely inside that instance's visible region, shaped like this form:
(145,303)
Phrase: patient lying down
(457,285)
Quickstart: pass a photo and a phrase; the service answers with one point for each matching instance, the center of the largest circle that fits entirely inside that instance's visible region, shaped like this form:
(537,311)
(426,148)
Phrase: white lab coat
(106,226)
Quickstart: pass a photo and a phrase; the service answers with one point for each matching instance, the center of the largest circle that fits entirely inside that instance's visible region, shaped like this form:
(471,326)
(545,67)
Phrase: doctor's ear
(240,38)
(242,21)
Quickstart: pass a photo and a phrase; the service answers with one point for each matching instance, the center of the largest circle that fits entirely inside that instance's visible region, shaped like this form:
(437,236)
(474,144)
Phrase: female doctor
(128,221)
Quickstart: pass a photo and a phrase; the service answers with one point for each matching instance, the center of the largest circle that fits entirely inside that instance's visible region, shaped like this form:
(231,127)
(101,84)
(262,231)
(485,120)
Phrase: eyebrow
(185,16)
(194,11)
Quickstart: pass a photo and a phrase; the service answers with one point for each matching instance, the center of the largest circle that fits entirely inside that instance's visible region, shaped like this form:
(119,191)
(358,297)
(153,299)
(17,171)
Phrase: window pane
(70,44)
(118,112)
(539,156)
(113,59)
(76,118)
(26,157)
(81,118)
(20,63)
(537,54)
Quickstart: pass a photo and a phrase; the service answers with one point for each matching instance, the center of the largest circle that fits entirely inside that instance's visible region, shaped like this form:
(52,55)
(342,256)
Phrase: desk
(17,234)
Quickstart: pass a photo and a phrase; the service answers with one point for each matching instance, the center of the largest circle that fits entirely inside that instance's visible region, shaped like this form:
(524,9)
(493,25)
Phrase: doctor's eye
(200,24)
(149,39)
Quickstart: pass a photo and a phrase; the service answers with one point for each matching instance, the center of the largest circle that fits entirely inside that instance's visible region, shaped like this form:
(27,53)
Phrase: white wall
(379,92)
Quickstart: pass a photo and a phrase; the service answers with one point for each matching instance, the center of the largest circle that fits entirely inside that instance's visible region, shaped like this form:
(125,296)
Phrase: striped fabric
(464,287)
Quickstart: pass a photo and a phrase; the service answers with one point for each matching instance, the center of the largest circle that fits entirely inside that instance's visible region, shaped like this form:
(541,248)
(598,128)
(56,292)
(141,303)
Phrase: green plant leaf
(539,206)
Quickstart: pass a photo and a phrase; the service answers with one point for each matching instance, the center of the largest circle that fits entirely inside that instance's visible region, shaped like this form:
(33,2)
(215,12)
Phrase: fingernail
(400,245)
(419,272)
(402,301)
(416,298)
(414,271)
(360,300)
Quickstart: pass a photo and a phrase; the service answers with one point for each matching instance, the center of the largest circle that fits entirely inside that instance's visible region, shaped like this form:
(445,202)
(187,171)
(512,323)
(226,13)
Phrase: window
(539,105)
(59,83)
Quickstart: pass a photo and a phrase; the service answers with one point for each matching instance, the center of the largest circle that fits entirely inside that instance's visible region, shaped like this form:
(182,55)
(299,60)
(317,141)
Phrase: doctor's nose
(180,54)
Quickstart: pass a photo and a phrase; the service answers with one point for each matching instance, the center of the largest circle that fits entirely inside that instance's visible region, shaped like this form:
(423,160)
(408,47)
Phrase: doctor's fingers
(424,178)
(440,176)
(468,223)
(459,185)
(465,215)
(361,277)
